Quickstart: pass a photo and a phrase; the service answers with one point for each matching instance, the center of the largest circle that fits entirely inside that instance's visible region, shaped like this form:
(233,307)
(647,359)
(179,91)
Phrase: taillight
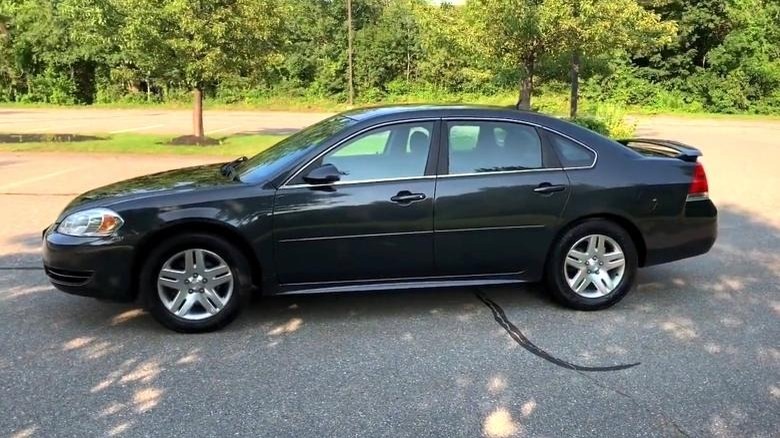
(699,188)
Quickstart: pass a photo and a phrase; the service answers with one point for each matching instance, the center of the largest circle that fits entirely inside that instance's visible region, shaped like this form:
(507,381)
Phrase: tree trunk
(575,83)
(527,84)
(408,65)
(350,74)
(197,112)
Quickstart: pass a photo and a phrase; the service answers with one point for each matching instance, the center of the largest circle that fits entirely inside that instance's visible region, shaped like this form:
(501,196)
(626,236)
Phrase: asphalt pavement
(693,351)
(216,123)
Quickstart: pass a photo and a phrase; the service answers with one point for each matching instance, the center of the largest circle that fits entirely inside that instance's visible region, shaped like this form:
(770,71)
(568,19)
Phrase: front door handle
(545,188)
(405,197)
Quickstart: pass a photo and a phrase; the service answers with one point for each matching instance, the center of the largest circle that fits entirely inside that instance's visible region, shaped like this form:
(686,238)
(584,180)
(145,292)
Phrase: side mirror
(325,174)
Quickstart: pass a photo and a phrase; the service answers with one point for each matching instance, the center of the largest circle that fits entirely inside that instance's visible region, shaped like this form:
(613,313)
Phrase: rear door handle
(546,187)
(405,197)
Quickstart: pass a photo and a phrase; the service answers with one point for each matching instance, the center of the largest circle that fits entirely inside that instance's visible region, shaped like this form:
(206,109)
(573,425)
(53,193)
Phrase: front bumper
(89,266)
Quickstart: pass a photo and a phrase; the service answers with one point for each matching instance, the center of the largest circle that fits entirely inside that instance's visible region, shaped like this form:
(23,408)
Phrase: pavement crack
(500,316)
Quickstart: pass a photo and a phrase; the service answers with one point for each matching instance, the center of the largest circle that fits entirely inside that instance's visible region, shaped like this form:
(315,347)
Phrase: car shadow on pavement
(708,325)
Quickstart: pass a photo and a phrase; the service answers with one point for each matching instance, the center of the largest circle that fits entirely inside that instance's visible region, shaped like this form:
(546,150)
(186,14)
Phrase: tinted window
(571,153)
(493,147)
(269,162)
(396,151)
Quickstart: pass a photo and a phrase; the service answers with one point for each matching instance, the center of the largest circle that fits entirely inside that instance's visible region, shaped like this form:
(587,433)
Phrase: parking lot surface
(149,121)
(704,334)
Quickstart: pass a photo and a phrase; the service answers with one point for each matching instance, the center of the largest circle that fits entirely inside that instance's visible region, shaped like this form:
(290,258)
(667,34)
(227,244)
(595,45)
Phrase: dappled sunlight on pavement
(416,363)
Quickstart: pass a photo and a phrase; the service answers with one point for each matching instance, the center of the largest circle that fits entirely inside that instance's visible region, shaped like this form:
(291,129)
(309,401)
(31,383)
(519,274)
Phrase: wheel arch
(623,222)
(205,226)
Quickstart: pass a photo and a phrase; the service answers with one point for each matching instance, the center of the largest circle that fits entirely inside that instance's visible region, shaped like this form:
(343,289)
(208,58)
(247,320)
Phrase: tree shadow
(8,162)
(47,138)
(702,328)
(267,131)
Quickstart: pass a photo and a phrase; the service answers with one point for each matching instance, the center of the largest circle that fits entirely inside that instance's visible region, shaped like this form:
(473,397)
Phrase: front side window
(269,162)
(395,151)
(478,147)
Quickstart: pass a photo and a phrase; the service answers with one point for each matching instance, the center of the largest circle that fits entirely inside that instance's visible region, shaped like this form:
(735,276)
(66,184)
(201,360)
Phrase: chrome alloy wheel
(594,266)
(195,284)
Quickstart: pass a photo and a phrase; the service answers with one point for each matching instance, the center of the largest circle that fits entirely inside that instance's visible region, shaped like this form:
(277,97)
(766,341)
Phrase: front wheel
(592,266)
(191,283)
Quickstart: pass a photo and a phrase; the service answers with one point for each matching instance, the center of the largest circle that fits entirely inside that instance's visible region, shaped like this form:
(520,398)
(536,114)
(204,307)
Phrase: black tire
(150,271)
(555,276)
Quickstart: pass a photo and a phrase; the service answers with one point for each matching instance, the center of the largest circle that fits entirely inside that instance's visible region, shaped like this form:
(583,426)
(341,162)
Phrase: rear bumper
(93,267)
(694,234)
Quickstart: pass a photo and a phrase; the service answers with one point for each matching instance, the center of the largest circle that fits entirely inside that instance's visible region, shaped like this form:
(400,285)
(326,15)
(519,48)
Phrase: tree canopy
(718,55)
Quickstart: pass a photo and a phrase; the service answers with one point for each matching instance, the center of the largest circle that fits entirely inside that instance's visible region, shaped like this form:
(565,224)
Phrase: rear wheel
(592,266)
(192,282)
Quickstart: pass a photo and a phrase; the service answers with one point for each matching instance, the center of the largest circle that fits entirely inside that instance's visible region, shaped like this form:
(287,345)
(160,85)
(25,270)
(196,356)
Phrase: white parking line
(214,131)
(40,177)
(140,128)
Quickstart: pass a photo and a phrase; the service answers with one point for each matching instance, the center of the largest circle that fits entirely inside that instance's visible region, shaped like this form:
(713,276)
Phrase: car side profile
(390,198)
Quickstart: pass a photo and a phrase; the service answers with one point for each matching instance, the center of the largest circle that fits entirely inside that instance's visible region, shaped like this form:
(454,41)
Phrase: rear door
(499,194)
(376,223)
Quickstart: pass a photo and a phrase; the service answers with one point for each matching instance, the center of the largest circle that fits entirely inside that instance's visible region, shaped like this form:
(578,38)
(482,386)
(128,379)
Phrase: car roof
(380,114)
(391,112)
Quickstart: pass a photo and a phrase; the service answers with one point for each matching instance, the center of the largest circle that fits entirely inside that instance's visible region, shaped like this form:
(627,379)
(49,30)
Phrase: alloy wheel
(594,266)
(195,284)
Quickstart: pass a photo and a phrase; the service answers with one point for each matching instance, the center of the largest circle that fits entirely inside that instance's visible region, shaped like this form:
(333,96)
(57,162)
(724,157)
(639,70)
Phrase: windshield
(269,162)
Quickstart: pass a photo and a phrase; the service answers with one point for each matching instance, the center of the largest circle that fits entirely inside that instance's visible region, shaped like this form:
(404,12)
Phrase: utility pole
(350,73)
(574,70)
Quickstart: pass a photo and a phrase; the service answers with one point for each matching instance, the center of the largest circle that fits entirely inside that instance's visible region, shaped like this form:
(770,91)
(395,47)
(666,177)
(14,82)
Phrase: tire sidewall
(160,254)
(555,270)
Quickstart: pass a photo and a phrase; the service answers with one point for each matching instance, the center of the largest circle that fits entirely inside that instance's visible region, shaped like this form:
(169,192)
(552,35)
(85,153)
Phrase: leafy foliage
(682,55)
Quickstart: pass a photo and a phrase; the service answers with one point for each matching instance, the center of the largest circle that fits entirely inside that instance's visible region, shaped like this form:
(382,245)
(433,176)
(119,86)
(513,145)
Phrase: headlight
(91,223)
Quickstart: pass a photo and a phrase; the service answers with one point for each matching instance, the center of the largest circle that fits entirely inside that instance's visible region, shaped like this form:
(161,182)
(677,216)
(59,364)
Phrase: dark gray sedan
(390,198)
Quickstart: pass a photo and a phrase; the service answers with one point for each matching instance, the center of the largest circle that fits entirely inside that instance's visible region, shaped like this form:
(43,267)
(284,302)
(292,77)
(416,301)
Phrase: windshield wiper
(229,169)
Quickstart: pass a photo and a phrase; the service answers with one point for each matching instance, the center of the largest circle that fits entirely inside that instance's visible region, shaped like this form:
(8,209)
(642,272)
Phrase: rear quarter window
(571,154)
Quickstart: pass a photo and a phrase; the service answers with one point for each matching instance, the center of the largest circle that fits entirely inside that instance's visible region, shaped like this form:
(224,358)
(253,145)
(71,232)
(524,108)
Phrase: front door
(499,195)
(376,222)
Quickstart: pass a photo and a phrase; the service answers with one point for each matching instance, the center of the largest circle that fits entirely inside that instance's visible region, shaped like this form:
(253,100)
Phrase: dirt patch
(191,140)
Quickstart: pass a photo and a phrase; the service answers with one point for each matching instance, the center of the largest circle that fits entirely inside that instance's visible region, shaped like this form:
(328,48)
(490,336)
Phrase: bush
(51,86)
(608,120)
(592,123)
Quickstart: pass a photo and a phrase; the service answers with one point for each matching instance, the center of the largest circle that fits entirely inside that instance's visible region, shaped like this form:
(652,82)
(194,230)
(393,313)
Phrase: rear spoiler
(665,148)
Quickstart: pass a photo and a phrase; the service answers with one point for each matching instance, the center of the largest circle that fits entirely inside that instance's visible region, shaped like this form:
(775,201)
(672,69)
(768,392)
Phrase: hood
(188,178)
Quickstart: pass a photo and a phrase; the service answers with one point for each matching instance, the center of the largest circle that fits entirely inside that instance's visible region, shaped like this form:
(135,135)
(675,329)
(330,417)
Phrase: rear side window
(570,153)
(477,147)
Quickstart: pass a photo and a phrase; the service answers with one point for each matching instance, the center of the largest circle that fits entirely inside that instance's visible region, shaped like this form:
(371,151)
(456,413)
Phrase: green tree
(744,70)
(196,43)
(702,26)
(517,32)
(7,68)
(451,56)
(315,56)
(590,28)
(389,49)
